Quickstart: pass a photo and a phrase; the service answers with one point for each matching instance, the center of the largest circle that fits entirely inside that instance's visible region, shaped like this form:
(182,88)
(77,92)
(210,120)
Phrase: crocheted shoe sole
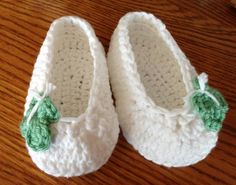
(152,80)
(73,59)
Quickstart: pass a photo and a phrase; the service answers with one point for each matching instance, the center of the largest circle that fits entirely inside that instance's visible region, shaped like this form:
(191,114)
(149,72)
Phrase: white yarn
(151,81)
(202,80)
(85,136)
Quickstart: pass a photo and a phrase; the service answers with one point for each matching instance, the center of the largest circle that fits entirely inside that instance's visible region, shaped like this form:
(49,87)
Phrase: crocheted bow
(208,103)
(35,124)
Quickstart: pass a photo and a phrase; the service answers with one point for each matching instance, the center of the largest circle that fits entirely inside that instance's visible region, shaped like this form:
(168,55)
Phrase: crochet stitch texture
(151,81)
(37,132)
(73,59)
(211,111)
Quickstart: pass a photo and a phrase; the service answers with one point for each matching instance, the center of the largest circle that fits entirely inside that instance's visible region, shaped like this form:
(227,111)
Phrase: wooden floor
(205,31)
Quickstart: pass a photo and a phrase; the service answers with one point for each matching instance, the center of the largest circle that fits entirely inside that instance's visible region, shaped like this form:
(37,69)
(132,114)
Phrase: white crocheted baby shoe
(70,125)
(166,112)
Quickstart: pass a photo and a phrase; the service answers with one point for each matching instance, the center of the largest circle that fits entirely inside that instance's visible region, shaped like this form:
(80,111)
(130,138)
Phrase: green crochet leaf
(37,133)
(210,112)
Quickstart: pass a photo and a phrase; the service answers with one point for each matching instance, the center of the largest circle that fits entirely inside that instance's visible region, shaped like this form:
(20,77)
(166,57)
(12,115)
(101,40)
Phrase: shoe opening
(72,69)
(158,68)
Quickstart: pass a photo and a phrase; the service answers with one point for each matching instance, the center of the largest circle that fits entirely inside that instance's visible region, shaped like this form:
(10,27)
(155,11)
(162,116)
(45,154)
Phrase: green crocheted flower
(36,132)
(210,105)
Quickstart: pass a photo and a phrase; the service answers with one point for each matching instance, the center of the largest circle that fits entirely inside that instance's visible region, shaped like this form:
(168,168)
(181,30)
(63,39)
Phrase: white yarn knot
(49,87)
(202,80)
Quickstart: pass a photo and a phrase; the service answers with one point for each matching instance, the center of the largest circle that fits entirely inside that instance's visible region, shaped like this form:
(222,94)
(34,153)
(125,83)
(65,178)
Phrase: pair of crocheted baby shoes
(167,112)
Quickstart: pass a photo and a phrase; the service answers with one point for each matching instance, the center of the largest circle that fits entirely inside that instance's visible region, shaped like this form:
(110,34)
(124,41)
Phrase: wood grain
(206,32)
